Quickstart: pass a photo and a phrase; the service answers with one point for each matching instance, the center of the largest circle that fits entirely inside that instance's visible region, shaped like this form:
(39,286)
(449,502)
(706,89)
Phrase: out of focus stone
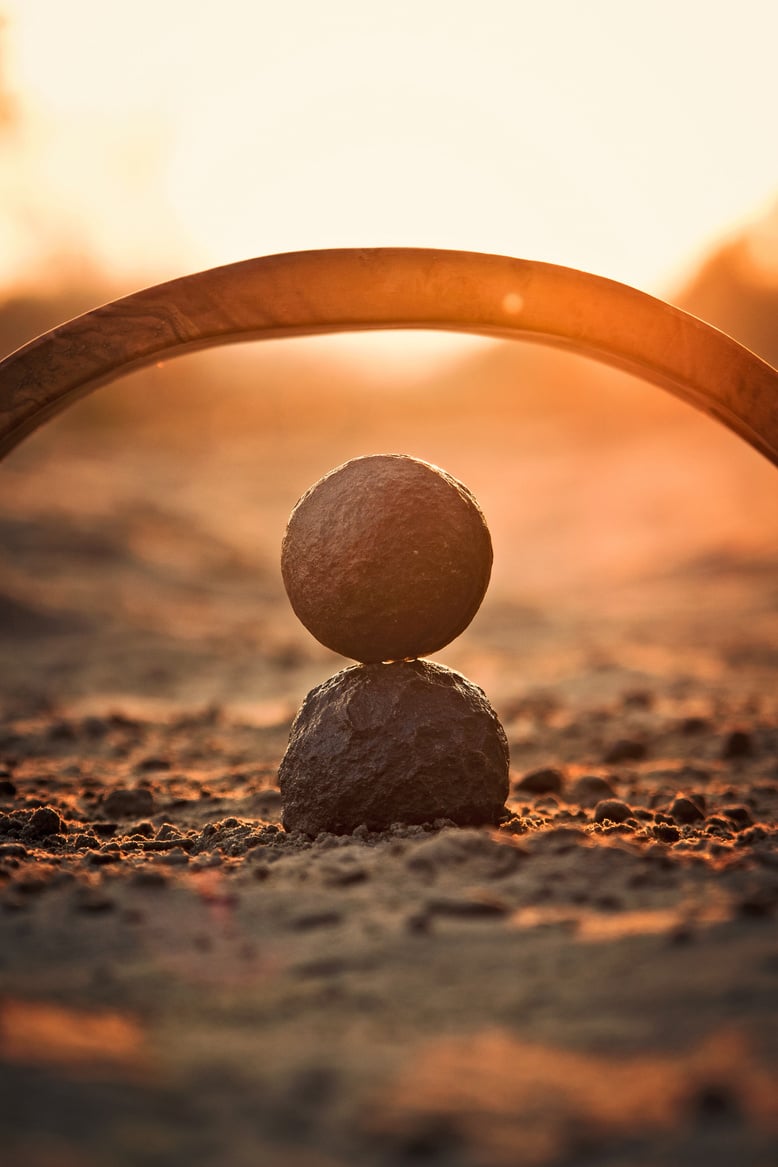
(408,742)
(545,781)
(590,789)
(122,803)
(625,750)
(737,744)
(386,558)
(739,815)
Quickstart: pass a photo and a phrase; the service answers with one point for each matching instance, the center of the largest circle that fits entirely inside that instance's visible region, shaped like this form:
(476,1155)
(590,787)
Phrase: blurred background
(635,540)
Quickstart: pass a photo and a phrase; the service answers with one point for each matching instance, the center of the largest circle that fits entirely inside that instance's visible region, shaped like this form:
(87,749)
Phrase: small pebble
(612,809)
(125,803)
(168,831)
(685,810)
(666,833)
(625,750)
(758,903)
(143,830)
(95,726)
(12,851)
(638,699)
(694,725)
(720,827)
(739,815)
(544,781)
(43,823)
(737,744)
(102,858)
(104,830)
(153,763)
(714,1102)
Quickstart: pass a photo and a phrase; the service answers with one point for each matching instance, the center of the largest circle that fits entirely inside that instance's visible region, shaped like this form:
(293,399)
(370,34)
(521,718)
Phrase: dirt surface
(593,981)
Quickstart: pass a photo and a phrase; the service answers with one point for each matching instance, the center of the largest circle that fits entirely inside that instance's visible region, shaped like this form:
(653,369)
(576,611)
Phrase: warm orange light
(38,1031)
(163,138)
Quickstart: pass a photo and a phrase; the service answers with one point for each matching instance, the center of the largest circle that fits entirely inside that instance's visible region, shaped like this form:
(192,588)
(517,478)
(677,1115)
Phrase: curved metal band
(345,290)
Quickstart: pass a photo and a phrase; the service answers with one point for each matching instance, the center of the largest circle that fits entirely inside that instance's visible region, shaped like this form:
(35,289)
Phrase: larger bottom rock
(407,742)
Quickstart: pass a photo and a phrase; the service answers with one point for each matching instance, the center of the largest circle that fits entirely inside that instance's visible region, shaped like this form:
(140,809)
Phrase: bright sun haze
(161,138)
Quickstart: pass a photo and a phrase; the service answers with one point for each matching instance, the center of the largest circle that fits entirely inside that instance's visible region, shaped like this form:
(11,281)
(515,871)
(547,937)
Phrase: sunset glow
(388,718)
(160,138)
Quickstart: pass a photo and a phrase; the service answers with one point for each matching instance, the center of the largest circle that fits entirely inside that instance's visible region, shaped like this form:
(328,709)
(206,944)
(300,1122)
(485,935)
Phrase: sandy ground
(592,982)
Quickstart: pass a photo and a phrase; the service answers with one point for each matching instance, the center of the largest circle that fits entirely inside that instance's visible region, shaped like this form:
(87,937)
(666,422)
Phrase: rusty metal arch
(307,292)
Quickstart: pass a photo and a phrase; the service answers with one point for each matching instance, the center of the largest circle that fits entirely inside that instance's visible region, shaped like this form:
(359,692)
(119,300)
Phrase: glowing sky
(163,136)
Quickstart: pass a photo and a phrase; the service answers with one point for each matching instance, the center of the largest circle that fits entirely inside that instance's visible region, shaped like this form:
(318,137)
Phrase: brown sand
(182,982)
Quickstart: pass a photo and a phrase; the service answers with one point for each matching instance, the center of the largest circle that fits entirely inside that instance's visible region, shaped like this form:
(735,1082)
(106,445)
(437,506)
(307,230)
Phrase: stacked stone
(385,560)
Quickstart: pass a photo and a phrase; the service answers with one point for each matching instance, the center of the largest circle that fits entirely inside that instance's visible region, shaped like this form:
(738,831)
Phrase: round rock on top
(407,742)
(386,558)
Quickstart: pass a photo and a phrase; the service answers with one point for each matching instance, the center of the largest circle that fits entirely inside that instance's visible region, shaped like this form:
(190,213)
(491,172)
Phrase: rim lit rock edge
(408,742)
(386,557)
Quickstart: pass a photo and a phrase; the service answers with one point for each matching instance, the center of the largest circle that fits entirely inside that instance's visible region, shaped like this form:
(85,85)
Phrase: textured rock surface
(408,742)
(386,558)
